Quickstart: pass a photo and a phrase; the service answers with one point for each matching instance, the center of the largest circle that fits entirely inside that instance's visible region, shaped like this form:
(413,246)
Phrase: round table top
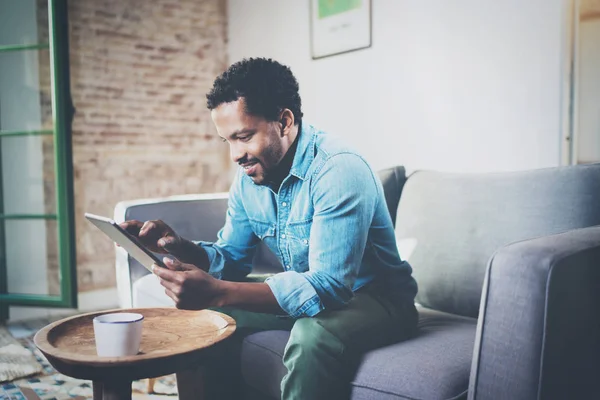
(168,334)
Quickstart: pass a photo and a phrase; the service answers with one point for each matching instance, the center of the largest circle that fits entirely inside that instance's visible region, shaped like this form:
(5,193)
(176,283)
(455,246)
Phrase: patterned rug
(15,360)
(48,384)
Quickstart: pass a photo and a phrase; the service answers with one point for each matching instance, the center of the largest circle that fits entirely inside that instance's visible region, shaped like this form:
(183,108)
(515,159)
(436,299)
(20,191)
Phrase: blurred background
(104,100)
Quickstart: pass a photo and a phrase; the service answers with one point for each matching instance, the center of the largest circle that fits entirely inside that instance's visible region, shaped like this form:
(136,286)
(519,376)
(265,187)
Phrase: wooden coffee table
(172,342)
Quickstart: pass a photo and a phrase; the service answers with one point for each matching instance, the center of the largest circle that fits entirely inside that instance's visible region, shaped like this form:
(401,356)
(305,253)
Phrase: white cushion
(406,246)
(148,292)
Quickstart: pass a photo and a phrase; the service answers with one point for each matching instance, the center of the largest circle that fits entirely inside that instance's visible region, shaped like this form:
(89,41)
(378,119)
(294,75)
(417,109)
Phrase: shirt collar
(305,153)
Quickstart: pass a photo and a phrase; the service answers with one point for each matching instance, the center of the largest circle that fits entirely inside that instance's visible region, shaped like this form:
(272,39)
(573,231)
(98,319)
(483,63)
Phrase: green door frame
(62,113)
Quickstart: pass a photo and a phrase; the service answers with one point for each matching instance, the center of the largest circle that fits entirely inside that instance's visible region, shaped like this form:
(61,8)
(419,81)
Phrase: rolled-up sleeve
(344,196)
(231,255)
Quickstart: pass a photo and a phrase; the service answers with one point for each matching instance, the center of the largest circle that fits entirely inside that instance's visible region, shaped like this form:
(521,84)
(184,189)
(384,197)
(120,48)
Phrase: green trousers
(322,353)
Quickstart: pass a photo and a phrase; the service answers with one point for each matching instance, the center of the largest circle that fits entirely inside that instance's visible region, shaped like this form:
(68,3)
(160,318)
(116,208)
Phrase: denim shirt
(329,225)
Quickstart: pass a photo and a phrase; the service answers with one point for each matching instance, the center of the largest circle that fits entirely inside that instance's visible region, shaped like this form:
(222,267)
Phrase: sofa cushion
(261,361)
(433,365)
(148,292)
(459,220)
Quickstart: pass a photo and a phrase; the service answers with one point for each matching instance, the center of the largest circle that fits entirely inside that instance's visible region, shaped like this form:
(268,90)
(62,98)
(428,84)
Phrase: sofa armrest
(196,217)
(539,326)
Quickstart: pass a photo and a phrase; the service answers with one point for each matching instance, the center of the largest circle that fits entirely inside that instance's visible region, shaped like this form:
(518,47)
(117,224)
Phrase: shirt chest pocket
(298,234)
(265,232)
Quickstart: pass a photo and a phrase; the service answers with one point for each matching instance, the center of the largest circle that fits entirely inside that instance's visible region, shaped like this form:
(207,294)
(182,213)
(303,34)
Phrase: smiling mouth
(248,165)
(249,168)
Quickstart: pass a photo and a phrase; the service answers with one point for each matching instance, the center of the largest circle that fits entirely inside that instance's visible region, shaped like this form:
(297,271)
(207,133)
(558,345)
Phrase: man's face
(254,143)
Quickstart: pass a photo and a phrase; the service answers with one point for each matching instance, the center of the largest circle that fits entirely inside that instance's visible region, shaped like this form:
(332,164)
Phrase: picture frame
(339,26)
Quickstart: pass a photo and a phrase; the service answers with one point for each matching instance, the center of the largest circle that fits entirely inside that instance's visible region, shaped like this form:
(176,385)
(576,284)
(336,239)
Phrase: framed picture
(339,26)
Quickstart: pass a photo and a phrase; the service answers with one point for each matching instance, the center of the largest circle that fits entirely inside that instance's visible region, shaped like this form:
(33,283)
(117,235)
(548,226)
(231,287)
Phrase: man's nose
(236,152)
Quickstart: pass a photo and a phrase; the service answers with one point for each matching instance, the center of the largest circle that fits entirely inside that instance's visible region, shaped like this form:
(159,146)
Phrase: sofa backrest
(457,221)
(393,180)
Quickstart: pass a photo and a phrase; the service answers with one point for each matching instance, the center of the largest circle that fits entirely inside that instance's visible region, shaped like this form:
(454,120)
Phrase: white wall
(588,91)
(464,85)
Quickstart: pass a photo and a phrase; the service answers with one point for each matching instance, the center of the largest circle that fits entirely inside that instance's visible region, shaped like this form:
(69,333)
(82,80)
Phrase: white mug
(118,334)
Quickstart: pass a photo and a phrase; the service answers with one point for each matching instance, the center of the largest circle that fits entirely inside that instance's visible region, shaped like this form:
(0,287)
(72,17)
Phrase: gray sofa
(508,266)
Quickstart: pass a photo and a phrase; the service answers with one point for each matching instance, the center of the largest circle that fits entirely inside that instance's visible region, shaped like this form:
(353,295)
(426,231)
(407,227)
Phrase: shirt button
(287,267)
(284,204)
(283,235)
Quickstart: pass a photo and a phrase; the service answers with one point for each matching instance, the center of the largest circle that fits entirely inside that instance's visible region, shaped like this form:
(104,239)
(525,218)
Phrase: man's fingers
(172,296)
(166,274)
(132,227)
(173,287)
(176,265)
(173,265)
(168,243)
(146,228)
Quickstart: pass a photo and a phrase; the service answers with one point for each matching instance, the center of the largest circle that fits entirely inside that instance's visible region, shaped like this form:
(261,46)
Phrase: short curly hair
(267,87)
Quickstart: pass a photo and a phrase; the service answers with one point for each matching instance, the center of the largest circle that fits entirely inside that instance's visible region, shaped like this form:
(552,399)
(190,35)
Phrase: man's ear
(286,121)
(284,124)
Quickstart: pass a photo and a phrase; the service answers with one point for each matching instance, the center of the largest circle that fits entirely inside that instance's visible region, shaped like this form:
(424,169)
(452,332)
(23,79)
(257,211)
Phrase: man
(320,208)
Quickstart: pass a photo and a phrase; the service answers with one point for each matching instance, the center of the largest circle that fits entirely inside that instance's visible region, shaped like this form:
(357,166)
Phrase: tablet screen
(125,240)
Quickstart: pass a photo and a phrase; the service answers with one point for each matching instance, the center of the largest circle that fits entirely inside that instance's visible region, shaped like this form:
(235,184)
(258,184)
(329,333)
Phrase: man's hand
(193,289)
(190,287)
(160,238)
(156,235)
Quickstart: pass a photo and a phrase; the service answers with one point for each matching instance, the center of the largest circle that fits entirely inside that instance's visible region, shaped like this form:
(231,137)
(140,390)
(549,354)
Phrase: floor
(21,329)
(55,386)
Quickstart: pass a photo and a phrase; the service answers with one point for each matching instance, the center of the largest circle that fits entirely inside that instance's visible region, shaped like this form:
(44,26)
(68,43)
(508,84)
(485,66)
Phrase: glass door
(37,248)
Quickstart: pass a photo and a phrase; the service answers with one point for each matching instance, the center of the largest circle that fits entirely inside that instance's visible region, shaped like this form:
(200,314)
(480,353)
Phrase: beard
(268,161)
(273,155)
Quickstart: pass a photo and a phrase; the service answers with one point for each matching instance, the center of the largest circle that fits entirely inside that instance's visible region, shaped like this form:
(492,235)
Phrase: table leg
(190,384)
(116,390)
(97,390)
(150,385)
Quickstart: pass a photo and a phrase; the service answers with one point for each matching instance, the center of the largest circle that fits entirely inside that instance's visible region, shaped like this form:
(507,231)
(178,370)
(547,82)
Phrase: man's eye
(245,138)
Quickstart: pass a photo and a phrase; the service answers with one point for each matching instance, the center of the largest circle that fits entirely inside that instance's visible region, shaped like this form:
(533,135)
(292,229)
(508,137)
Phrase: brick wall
(139,74)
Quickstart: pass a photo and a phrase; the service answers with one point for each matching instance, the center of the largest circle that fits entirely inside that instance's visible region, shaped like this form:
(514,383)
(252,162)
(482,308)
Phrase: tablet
(130,243)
